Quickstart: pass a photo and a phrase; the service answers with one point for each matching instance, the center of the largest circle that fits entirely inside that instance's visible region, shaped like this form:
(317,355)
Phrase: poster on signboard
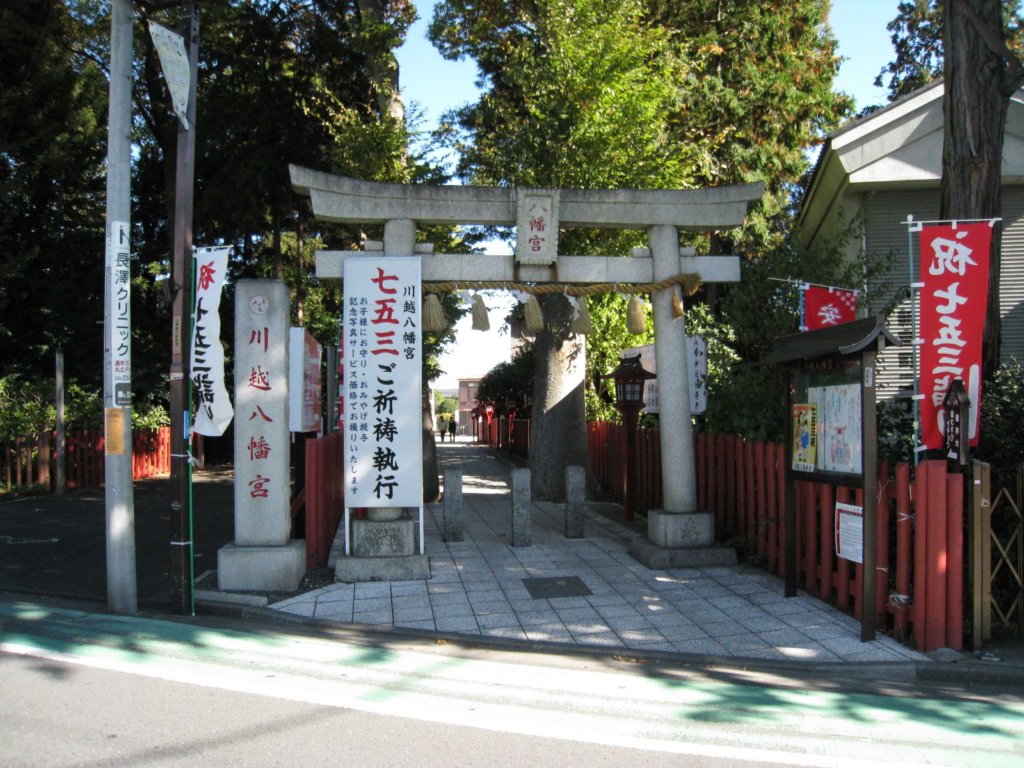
(827,401)
(839,432)
(805,436)
(849,532)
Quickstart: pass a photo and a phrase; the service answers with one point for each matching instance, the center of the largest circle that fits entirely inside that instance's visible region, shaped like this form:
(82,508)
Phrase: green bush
(1002,422)
(895,432)
(27,408)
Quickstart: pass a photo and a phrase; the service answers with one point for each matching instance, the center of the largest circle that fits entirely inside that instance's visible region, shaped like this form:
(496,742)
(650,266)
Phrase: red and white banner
(824,307)
(954,295)
(213,406)
(383,381)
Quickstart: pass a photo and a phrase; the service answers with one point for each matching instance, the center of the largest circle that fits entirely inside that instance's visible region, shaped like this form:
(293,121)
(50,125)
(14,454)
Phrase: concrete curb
(863,676)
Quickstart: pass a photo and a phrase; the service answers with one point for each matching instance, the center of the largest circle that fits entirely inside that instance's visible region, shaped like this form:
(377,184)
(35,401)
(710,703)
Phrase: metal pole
(120,504)
(869,455)
(182,594)
(912,281)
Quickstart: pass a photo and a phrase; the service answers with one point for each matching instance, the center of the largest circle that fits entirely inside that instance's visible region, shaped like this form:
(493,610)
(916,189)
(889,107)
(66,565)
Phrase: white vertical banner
(383,382)
(696,373)
(119,341)
(213,406)
(304,388)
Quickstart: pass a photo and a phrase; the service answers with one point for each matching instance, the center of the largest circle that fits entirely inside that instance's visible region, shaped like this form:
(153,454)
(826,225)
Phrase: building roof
(899,146)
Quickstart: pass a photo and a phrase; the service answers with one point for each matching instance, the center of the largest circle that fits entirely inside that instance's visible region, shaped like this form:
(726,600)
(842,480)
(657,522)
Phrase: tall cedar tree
(53,105)
(979,54)
(981,74)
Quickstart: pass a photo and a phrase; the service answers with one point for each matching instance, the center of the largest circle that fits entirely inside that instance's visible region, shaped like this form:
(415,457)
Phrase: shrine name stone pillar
(262,557)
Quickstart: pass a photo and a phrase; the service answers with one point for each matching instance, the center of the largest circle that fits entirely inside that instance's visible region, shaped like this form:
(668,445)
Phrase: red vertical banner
(954,295)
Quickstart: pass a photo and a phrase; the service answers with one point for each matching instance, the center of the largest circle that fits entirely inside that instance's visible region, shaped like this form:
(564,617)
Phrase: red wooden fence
(919,540)
(607,449)
(324,496)
(33,461)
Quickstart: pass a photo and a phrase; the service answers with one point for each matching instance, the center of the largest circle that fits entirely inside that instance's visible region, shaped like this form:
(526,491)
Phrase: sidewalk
(587,592)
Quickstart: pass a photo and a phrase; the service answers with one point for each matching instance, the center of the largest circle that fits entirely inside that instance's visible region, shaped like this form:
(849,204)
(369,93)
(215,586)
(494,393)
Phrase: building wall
(885,214)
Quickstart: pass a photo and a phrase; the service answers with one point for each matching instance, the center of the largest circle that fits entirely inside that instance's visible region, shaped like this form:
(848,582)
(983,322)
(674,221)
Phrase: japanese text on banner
(823,307)
(383,382)
(954,297)
(213,407)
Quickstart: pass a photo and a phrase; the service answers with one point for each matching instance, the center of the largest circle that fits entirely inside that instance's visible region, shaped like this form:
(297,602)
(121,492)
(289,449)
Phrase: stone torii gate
(679,534)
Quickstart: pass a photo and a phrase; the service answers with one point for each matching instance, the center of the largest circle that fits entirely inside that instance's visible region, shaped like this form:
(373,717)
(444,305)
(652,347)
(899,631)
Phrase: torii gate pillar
(678,535)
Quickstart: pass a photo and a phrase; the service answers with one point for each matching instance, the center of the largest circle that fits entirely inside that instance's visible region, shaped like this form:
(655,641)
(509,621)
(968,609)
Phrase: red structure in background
(32,461)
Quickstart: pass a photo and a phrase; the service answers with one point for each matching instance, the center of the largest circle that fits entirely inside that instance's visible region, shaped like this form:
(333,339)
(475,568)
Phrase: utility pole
(122,588)
(182,587)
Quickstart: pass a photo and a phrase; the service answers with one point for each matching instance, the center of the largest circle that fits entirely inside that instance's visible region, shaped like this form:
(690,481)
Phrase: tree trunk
(558,425)
(383,68)
(431,481)
(975,106)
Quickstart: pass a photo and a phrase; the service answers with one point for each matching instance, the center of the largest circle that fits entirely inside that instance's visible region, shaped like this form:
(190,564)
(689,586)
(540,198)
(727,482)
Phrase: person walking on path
(451,429)
(443,427)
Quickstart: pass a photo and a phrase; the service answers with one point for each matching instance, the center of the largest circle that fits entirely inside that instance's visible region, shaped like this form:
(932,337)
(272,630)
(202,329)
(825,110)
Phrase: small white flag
(170,47)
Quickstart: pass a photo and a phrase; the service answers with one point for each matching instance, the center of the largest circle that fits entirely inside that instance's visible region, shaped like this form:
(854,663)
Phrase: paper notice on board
(850,532)
(113,427)
(805,436)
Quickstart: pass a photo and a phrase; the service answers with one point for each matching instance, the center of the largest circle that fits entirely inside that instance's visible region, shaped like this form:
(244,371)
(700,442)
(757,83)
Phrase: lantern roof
(630,368)
(843,339)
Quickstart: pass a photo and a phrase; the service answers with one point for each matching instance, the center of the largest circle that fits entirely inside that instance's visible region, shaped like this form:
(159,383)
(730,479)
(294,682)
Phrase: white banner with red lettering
(383,382)
(954,297)
(206,368)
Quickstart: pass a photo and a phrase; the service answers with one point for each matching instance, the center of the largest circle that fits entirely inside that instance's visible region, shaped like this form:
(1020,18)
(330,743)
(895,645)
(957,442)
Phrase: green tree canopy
(916,35)
(53,106)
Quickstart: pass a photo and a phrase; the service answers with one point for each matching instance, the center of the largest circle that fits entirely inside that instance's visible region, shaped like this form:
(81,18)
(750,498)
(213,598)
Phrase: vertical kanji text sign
(262,446)
(383,382)
(954,298)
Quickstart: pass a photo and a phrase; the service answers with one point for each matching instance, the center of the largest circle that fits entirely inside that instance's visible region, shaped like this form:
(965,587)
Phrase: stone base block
(270,569)
(403,568)
(383,538)
(680,529)
(663,558)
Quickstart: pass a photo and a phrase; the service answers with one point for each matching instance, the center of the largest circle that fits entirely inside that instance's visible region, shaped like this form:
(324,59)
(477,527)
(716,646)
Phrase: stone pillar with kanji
(262,556)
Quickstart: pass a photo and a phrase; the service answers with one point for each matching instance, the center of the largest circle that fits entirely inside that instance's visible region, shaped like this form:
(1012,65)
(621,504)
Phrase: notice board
(827,420)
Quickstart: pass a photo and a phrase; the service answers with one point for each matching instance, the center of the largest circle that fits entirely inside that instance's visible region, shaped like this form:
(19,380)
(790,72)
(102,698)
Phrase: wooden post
(955,561)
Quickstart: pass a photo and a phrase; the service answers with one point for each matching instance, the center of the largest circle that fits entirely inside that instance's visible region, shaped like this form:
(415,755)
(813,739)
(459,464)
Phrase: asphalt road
(146,691)
(56,545)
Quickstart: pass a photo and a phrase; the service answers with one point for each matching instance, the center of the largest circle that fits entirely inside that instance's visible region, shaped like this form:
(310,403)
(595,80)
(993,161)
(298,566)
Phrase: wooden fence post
(955,561)
(904,540)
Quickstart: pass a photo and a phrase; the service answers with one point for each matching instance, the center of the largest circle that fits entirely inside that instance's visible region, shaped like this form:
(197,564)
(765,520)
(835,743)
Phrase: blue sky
(437,85)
